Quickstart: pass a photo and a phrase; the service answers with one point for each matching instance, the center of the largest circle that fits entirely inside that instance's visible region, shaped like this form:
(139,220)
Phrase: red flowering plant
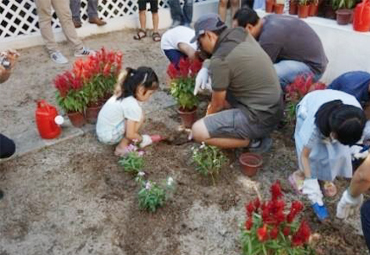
(70,95)
(270,229)
(99,72)
(90,80)
(183,83)
(295,91)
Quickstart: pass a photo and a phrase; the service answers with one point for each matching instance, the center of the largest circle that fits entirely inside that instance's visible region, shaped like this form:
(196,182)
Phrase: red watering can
(361,19)
(48,120)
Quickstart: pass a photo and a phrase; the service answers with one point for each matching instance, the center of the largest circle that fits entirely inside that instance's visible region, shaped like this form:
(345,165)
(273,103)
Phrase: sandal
(329,189)
(156,37)
(140,34)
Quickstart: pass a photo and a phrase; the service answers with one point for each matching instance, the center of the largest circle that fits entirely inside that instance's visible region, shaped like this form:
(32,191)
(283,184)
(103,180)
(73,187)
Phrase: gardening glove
(348,205)
(359,151)
(311,188)
(146,141)
(203,81)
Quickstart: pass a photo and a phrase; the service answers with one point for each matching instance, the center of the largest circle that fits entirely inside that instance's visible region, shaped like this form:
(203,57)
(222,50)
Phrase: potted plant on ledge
(314,8)
(303,8)
(293,7)
(182,89)
(343,10)
(279,6)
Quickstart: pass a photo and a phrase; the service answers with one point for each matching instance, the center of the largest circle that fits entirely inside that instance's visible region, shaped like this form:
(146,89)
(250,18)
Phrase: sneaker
(58,57)
(260,145)
(175,23)
(84,52)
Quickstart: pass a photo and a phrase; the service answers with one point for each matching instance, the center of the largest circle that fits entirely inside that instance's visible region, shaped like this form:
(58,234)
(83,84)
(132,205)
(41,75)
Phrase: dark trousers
(365,221)
(7,147)
(174,56)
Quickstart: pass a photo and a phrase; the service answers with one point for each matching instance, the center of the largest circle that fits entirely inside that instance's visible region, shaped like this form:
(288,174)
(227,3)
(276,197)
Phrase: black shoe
(1,194)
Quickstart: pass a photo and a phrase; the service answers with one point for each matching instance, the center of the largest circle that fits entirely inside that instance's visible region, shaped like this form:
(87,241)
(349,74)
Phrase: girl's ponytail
(123,75)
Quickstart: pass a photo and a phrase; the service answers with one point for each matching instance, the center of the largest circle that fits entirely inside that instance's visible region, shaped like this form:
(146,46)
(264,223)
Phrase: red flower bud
(257,203)
(262,233)
(297,206)
(249,223)
(286,231)
(249,208)
(274,232)
(276,190)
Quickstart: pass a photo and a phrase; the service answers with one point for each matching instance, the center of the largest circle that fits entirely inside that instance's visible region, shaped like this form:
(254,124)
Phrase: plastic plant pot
(303,11)
(77,119)
(279,8)
(343,16)
(250,163)
(188,117)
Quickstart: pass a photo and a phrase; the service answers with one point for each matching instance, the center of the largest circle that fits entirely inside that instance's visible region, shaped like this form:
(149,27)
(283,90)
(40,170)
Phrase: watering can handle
(42,104)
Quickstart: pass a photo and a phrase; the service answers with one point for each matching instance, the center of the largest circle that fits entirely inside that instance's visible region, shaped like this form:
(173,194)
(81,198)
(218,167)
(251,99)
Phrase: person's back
(289,38)
(240,65)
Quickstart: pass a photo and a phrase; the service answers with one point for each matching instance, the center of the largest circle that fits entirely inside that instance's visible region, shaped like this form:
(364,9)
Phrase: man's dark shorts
(233,123)
(153,5)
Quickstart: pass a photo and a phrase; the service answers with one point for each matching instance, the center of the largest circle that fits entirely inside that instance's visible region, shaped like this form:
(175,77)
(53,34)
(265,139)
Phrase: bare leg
(235,4)
(142,19)
(155,19)
(120,149)
(222,9)
(200,134)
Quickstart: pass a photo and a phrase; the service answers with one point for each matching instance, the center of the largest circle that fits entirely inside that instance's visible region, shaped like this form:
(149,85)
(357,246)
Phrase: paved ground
(33,77)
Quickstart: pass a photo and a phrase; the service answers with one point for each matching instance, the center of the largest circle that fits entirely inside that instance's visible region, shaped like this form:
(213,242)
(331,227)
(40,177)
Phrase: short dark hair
(346,121)
(246,16)
(219,31)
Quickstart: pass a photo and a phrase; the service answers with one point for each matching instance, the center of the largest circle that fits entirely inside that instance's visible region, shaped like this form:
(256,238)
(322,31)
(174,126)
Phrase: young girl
(327,122)
(121,116)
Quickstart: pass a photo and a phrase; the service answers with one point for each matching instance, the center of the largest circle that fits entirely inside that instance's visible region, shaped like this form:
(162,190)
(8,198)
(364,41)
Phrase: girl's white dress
(328,158)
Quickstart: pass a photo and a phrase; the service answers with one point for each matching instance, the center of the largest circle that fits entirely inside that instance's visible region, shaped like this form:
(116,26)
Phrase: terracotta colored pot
(279,8)
(293,8)
(343,16)
(91,113)
(329,12)
(188,117)
(77,119)
(269,6)
(314,10)
(250,163)
(303,11)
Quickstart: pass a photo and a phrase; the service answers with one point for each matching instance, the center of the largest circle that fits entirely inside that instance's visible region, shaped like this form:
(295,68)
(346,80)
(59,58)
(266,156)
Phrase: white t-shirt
(116,111)
(180,34)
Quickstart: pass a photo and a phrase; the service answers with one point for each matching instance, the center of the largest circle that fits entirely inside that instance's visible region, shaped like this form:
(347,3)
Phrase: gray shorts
(233,123)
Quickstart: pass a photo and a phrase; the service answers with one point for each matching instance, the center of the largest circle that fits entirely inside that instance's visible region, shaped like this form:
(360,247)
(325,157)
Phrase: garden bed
(73,198)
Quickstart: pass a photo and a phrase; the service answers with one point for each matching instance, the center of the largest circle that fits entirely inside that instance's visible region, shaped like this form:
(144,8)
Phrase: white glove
(203,80)
(348,205)
(146,141)
(311,188)
(356,152)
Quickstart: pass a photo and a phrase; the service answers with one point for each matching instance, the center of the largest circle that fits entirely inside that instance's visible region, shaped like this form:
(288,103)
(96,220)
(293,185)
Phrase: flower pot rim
(243,160)
(182,110)
(344,11)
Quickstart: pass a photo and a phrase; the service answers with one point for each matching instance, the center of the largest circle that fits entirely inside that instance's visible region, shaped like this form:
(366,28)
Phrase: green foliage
(343,4)
(151,196)
(99,86)
(208,160)
(182,89)
(132,162)
(74,101)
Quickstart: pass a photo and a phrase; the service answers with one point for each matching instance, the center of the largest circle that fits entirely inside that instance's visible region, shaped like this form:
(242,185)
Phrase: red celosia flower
(262,233)
(286,231)
(297,206)
(290,217)
(172,71)
(196,65)
(250,208)
(106,70)
(249,223)
(257,203)
(276,190)
(302,235)
(279,217)
(274,232)
(184,67)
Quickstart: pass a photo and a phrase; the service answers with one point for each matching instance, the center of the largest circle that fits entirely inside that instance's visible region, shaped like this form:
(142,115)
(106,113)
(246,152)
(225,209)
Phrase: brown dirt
(73,198)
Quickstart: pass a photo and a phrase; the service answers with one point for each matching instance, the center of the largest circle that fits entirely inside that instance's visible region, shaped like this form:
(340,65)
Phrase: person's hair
(130,79)
(246,16)
(347,122)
